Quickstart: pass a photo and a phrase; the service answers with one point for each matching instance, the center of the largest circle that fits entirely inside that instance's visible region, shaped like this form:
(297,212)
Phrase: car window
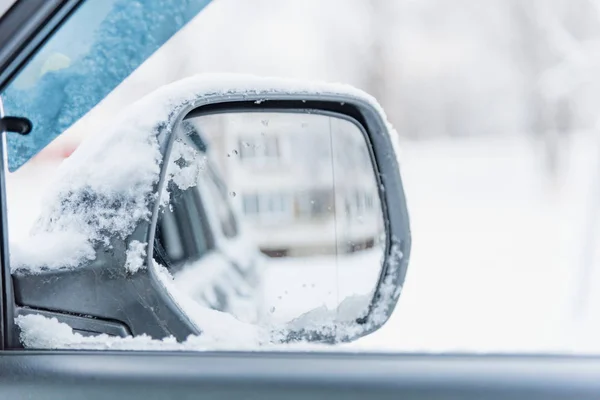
(73,72)
(495,109)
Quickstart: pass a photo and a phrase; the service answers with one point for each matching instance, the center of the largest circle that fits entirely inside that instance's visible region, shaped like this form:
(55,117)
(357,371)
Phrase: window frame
(265,214)
(255,149)
(24,28)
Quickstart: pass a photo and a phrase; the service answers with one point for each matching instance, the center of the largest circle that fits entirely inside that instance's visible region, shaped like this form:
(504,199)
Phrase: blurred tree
(376,61)
(549,51)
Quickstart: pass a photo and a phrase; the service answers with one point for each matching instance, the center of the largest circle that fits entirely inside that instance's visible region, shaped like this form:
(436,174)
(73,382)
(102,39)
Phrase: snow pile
(184,167)
(219,326)
(296,286)
(108,184)
(50,250)
(339,323)
(39,332)
(136,254)
(201,279)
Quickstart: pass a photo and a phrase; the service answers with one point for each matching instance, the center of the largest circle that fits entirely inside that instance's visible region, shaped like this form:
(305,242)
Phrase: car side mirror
(153,225)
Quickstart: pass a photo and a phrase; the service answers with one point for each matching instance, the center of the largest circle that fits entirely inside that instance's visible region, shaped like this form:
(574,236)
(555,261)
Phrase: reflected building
(304,182)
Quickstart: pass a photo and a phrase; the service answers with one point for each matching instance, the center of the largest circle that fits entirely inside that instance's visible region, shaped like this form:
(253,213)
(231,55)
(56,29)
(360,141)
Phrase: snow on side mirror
(242,211)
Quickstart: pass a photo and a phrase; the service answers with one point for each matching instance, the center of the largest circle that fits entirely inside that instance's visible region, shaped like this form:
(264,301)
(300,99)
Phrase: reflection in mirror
(282,217)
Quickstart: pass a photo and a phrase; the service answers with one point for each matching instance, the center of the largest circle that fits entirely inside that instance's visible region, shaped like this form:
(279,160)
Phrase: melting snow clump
(50,250)
(136,254)
(184,167)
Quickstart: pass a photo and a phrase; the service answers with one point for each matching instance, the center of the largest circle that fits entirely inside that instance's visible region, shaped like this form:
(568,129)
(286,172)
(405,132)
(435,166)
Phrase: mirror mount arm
(19,125)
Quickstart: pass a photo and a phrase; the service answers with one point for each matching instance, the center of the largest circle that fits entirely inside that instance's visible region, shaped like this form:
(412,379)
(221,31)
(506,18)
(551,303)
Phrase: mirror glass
(271,215)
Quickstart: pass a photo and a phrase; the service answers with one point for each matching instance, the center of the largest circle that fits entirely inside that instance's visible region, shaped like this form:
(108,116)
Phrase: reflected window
(250,204)
(259,148)
(267,206)
(315,204)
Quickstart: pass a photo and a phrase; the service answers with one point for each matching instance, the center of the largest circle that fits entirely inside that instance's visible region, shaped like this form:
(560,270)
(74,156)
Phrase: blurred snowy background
(495,102)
